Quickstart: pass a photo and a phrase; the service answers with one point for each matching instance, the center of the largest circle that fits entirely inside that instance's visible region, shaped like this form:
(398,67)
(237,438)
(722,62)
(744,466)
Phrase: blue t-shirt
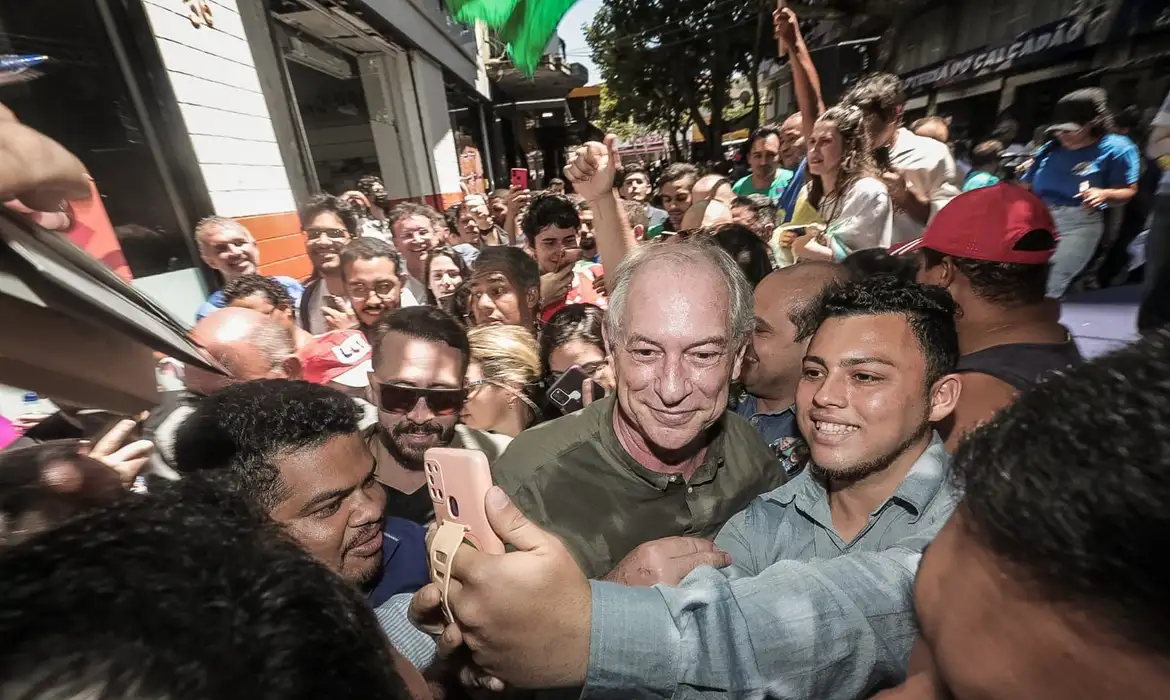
(215,301)
(979,178)
(786,203)
(404,561)
(1057,173)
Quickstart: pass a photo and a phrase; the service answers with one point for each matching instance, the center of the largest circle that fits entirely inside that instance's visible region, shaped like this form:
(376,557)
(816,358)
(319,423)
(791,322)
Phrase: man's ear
(533,298)
(737,364)
(639,233)
(944,397)
(291,367)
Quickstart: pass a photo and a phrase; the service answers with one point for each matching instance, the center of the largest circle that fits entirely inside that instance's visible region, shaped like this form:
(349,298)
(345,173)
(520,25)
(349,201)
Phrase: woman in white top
(844,189)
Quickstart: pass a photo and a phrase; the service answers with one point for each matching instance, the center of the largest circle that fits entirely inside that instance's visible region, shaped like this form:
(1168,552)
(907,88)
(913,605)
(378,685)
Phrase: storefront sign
(199,12)
(1038,45)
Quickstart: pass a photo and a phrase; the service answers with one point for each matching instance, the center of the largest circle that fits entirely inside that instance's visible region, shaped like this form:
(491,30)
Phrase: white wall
(436,122)
(218,91)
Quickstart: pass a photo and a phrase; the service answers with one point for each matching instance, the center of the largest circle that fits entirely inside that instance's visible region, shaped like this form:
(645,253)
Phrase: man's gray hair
(273,342)
(694,252)
(207,225)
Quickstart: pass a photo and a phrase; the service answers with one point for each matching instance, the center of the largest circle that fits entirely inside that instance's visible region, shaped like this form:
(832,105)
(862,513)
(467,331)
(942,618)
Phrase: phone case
(520,178)
(457,481)
(566,393)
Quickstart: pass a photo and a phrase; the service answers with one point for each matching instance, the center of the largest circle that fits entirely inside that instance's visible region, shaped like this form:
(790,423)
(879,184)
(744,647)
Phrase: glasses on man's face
(397,398)
(335,234)
(361,292)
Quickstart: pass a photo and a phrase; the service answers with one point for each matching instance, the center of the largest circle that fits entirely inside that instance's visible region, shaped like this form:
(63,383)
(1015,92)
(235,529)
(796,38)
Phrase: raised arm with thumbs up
(591,171)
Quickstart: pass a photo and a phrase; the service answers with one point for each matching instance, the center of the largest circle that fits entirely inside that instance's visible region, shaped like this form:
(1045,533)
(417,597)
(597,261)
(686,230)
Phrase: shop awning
(75,331)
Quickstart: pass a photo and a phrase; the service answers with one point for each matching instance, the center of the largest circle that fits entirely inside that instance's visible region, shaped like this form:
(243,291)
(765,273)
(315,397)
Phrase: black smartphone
(882,157)
(566,393)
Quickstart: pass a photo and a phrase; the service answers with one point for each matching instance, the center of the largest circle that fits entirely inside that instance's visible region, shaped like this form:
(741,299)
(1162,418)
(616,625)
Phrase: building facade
(183,109)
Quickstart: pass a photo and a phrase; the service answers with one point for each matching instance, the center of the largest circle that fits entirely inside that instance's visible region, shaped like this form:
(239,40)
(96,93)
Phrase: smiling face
(862,400)
(792,142)
(325,236)
(414,362)
(676,199)
(333,506)
(824,149)
(373,287)
(231,252)
(674,361)
(414,236)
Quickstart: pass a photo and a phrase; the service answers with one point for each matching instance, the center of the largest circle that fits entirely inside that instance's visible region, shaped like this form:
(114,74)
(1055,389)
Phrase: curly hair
(881,95)
(930,312)
(549,209)
(856,160)
(1067,486)
(245,286)
(260,618)
(246,428)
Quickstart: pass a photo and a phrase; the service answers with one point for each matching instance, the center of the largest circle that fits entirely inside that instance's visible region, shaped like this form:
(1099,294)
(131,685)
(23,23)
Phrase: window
(82,100)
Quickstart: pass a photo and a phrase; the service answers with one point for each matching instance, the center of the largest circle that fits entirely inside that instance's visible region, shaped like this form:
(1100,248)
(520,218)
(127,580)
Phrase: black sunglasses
(395,398)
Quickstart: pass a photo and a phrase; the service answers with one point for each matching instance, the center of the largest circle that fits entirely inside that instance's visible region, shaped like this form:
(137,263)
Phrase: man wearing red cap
(340,359)
(991,249)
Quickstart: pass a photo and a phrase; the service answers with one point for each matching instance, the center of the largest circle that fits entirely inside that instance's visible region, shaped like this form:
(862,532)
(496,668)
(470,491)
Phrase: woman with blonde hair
(504,370)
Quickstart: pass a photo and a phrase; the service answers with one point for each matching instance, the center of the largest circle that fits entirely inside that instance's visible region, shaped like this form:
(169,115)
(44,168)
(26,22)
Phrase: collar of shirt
(929,473)
(661,481)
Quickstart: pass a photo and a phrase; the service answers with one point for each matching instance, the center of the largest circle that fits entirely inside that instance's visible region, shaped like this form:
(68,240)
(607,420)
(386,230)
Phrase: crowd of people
(791,385)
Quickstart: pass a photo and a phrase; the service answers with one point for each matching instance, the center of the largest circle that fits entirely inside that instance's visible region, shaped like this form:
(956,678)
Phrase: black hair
(628,171)
(245,428)
(549,209)
(746,249)
(448,252)
(406,210)
(880,94)
(520,269)
(877,262)
(245,286)
(581,322)
(675,172)
(366,248)
(187,593)
(762,209)
(556,181)
(328,204)
(986,156)
(365,185)
(424,323)
(1067,486)
(451,217)
(762,132)
(930,312)
(45,484)
(1003,284)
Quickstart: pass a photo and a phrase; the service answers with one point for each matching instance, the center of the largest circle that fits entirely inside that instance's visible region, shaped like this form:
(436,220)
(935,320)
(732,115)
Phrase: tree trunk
(754,71)
(718,90)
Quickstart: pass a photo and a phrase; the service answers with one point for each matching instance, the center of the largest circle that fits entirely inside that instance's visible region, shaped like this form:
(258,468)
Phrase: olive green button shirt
(573,478)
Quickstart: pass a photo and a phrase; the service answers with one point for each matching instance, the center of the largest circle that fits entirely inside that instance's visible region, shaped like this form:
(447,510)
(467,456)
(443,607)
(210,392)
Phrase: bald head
(773,361)
(707,214)
(935,128)
(249,345)
(715,187)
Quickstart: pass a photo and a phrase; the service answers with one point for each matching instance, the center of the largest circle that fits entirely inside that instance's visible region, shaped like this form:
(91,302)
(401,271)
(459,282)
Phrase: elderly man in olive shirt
(662,458)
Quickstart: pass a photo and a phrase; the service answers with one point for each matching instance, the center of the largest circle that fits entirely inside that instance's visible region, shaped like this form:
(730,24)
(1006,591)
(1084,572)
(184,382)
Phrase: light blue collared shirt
(800,613)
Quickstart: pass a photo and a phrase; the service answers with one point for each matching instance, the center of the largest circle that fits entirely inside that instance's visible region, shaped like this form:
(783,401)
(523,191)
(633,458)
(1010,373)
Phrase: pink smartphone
(457,481)
(520,178)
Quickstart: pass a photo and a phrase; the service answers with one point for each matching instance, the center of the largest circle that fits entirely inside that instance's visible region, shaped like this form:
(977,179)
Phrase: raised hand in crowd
(340,320)
(35,169)
(667,560)
(495,598)
(591,170)
(113,450)
(518,200)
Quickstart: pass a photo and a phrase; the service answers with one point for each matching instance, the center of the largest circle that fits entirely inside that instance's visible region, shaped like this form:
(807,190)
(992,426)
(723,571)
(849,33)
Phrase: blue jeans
(1080,231)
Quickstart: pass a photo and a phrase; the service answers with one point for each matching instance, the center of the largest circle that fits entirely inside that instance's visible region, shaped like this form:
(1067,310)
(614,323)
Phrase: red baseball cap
(988,224)
(343,357)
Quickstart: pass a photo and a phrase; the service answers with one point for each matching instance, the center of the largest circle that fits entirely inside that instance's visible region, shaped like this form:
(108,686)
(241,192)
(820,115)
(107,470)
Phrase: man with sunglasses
(420,360)
(329,225)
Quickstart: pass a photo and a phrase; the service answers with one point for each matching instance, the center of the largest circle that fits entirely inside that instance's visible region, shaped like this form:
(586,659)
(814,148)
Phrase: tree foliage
(667,63)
